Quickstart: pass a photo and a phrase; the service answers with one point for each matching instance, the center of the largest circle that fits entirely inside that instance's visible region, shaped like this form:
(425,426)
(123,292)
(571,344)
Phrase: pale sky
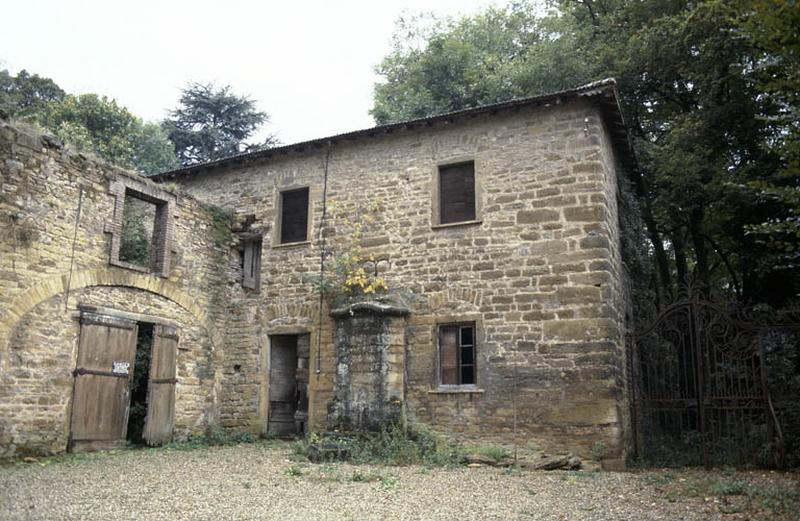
(308,64)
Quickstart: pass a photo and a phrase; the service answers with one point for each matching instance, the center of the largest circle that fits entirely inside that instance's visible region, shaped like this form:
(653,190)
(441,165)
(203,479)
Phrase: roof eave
(609,106)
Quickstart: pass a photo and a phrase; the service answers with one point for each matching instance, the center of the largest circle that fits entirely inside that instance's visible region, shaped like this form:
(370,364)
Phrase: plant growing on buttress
(350,271)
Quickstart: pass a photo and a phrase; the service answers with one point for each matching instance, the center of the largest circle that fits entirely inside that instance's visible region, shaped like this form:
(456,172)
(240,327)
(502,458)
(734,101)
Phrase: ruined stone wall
(538,272)
(43,254)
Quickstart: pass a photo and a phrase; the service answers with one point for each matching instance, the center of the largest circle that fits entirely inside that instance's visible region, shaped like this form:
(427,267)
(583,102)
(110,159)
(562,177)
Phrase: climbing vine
(351,272)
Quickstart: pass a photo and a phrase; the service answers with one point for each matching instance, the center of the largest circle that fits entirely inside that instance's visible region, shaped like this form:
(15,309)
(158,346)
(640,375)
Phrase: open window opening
(288,385)
(294,216)
(138,231)
(139,382)
(457,354)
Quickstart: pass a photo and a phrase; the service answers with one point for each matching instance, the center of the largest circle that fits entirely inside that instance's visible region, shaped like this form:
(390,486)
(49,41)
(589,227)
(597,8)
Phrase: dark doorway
(288,385)
(141,375)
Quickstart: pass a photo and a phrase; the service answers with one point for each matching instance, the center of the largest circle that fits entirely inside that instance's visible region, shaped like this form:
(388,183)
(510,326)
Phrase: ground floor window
(457,354)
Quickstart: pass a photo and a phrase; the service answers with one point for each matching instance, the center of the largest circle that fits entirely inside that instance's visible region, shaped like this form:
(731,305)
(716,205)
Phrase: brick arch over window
(55,285)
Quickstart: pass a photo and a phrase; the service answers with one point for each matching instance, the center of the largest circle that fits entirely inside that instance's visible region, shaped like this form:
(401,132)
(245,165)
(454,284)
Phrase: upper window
(294,216)
(141,226)
(457,354)
(138,231)
(457,193)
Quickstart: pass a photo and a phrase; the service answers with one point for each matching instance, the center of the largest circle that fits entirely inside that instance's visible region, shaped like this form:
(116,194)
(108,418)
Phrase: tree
(109,128)
(100,125)
(442,65)
(25,94)
(212,123)
(709,132)
(771,28)
(153,152)
(702,128)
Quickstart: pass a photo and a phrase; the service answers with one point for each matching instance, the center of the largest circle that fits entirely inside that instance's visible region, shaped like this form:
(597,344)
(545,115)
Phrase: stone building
(494,231)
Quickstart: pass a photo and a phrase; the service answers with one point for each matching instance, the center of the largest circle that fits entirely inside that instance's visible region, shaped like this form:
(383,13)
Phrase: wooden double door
(101,393)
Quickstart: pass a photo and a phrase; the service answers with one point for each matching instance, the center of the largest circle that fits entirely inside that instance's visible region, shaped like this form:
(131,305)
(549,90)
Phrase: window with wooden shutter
(251,263)
(457,193)
(294,216)
(457,355)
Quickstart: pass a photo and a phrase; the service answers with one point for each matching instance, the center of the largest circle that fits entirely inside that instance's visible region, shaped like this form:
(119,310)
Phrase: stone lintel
(374,307)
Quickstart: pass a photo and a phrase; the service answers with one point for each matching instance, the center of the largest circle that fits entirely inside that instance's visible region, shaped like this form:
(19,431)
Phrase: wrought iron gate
(699,387)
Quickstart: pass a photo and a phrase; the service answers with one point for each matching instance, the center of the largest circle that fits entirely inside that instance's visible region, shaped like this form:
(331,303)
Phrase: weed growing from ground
(295,471)
(392,446)
(213,437)
(495,452)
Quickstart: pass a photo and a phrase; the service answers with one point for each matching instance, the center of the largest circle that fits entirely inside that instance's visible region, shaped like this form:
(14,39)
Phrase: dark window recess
(294,216)
(457,193)
(251,263)
(457,354)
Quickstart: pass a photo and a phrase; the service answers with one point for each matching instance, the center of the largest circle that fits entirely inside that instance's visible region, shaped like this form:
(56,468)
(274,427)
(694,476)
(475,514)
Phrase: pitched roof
(602,92)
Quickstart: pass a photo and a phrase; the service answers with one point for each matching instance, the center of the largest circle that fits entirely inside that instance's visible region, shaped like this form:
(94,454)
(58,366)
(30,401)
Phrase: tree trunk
(661,259)
(700,249)
(681,264)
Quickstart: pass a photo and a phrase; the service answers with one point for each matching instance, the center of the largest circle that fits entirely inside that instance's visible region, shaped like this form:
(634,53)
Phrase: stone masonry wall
(370,350)
(48,267)
(539,272)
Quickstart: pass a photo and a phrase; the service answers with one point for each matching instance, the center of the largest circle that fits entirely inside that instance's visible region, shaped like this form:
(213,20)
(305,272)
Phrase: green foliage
(109,127)
(392,446)
(138,219)
(221,222)
(598,450)
(215,436)
(709,90)
(346,277)
(153,152)
(776,498)
(25,94)
(495,452)
(138,389)
(734,493)
(87,122)
(729,487)
(703,127)
(212,123)
(346,274)
(294,471)
(440,65)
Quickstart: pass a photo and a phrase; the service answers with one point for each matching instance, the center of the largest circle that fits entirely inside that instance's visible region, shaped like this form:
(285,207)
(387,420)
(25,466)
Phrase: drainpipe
(322,254)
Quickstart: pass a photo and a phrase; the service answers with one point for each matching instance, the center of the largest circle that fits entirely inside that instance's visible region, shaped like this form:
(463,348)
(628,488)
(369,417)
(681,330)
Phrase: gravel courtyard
(262,481)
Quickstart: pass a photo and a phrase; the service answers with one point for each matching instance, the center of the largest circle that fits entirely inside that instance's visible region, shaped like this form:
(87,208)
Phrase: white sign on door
(121,367)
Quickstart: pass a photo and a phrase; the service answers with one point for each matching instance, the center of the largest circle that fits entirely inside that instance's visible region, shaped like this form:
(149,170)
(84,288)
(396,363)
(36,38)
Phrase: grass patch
(295,471)
(733,493)
(727,487)
(213,437)
(664,478)
(65,457)
(392,446)
(776,498)
(495,452)
(387,481)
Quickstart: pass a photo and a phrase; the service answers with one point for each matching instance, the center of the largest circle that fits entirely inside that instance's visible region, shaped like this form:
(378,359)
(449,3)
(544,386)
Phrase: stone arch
(57,284)
(458,299)
(290,313)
